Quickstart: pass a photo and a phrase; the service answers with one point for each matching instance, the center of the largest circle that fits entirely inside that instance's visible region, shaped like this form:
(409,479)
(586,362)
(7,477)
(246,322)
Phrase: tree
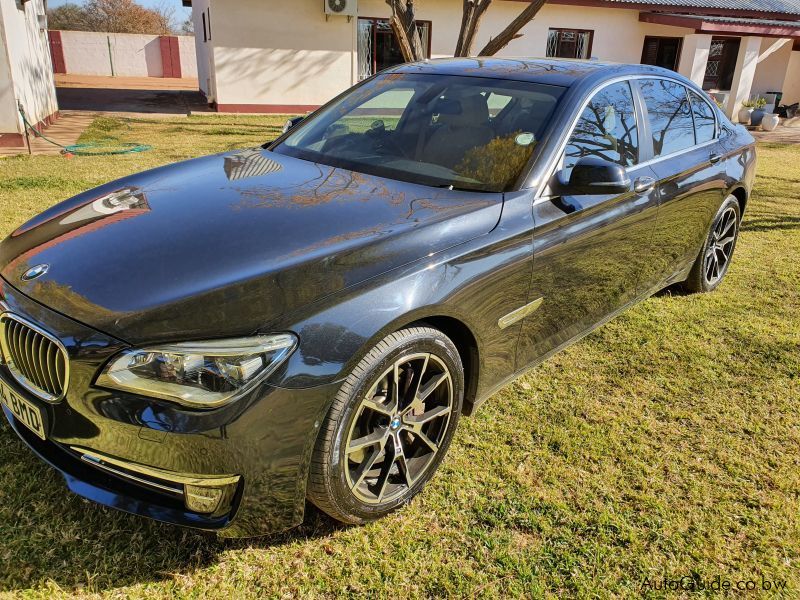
(68,17)
(404,27)
(112,16)
(187,27)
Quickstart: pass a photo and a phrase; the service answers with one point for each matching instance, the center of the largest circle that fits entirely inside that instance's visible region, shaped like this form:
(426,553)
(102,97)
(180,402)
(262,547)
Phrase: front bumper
(144,456)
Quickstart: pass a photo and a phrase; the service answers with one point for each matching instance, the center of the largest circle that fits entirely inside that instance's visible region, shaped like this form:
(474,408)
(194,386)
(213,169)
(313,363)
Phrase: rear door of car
(589,250)
(687,161)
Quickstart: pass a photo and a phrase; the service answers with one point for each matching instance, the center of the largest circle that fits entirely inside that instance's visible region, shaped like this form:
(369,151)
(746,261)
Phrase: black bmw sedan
(215,342)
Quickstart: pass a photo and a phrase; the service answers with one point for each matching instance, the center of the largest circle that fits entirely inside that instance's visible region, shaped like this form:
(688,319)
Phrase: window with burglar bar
(569,43)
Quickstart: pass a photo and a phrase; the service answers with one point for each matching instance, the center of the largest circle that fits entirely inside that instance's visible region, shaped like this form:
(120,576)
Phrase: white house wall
(772,65)
(618,33)
(204,50)
(791,86)
(26,70)
(9,119)
(281,53)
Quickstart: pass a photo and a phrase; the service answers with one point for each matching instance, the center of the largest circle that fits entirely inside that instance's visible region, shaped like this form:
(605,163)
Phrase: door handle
(644,184)
(715,158)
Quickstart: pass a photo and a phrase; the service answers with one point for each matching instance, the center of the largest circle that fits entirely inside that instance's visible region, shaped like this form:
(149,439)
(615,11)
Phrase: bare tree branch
(512,31)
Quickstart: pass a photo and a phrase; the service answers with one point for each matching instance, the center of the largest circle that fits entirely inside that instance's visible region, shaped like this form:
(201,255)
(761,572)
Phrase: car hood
(229,244)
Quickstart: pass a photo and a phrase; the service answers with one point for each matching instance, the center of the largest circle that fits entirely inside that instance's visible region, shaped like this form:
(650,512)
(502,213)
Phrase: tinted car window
(670,115)
(705,124)
(469,132)
(606,129)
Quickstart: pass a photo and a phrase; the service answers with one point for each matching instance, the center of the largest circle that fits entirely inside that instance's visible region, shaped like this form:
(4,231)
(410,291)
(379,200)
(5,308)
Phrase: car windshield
(470,133)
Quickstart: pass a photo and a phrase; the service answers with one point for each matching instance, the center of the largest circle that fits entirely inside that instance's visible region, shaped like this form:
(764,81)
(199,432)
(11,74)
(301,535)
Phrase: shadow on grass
(53,537)
(775,223)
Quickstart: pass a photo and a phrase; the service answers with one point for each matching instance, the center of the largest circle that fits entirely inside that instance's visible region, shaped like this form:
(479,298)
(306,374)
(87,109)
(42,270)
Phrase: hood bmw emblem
(35,272)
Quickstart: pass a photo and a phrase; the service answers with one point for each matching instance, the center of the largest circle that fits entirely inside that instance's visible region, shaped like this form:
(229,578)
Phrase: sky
(181,13)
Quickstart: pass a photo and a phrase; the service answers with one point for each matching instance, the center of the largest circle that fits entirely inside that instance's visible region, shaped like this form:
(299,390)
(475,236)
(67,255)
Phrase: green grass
(665,444)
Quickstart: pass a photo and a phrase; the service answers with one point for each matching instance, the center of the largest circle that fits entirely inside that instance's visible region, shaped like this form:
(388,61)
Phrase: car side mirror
(593,176)
(291,124)
(287,127)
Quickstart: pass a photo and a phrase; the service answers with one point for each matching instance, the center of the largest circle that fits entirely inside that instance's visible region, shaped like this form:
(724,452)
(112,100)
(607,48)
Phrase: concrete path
(782,135)
(126,83)
(66,131)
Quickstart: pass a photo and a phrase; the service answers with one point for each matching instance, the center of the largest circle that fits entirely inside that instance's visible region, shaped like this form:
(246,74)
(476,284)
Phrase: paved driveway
(177,102)
(149,95)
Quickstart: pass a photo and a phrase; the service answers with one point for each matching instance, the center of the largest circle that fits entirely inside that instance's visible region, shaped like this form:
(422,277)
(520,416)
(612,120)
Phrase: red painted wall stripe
(166,55)
(175,53)
(170,55)
(57,52)
(279,109)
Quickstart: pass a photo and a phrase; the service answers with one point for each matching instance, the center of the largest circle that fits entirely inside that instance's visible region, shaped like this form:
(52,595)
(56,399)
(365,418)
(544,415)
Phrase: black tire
(715,258)
(340,481)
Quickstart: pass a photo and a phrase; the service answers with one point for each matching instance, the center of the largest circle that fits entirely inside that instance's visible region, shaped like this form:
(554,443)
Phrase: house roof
(726,25)
(787,7)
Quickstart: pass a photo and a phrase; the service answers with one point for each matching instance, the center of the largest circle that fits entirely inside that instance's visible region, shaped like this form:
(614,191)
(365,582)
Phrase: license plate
(26,412)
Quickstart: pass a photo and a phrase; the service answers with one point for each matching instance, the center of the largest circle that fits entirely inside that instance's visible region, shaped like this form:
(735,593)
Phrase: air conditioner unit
(341,8)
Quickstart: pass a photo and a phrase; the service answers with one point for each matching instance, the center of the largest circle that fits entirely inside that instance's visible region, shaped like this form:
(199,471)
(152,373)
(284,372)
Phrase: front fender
(476,284)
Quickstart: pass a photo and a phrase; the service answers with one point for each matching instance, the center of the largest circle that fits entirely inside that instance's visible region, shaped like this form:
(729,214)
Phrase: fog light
(203,499)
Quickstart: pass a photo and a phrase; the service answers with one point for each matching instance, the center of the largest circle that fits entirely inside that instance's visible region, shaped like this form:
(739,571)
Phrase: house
(26,73)
(290,56)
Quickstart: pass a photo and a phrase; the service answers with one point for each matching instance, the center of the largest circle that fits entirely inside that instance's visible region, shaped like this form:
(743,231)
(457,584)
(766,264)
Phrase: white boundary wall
(122,54)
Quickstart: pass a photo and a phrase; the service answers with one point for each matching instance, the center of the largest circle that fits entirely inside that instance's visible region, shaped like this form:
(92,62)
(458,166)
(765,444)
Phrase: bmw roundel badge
(35,272)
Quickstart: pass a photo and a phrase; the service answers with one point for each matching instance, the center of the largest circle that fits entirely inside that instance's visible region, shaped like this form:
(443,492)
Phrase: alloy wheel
(398,428)
(720,247)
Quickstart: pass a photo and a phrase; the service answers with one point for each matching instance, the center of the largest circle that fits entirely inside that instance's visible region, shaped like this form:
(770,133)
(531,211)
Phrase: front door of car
(691,174)
(589,249)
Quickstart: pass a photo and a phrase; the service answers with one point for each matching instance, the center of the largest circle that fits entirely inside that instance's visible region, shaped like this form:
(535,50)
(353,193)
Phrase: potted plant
(758,114)
(746,112)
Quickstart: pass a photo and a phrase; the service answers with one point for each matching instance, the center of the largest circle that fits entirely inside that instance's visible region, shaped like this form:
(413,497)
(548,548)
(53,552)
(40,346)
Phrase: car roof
(552,71)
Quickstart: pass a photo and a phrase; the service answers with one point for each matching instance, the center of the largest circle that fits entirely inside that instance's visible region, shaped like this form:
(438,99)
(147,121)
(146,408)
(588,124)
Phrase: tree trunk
(512,31)
(404,26)
(470,23)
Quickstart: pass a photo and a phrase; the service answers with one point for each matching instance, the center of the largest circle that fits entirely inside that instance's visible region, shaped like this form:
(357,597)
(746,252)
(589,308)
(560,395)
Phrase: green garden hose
(90,149)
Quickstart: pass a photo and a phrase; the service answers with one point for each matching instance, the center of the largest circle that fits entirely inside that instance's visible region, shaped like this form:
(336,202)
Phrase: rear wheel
(389,428)
(715,258)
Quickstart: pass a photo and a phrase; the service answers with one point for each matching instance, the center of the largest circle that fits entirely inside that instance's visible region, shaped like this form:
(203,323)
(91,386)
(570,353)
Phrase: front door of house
(378,48)
(721,63)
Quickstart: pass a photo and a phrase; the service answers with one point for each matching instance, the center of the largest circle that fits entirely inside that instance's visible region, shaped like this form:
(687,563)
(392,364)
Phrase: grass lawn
(665,444)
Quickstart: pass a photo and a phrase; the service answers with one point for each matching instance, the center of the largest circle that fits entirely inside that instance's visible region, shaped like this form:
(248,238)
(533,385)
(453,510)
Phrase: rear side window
(705,123)
(670,115)
(606,129)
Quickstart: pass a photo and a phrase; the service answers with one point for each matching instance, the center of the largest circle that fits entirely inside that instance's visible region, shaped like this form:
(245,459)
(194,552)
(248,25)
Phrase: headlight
(198,374)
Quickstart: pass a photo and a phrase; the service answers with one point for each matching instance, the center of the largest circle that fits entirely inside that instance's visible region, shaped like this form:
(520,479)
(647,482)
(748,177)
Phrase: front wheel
(389,428)
(715,258)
